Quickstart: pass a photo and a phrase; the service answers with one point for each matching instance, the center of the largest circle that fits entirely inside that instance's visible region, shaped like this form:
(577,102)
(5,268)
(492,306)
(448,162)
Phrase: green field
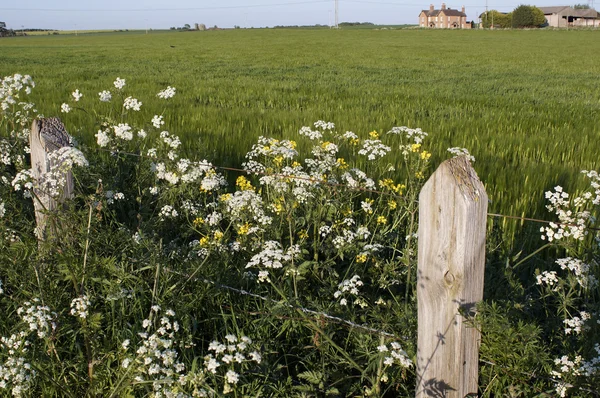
(525,103)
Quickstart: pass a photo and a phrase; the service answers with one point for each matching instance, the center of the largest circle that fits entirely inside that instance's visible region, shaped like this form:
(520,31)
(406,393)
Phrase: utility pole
(337,11)
(486,11)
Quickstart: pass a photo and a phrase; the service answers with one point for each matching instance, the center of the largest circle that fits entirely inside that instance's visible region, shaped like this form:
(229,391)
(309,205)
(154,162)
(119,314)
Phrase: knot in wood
(449,278)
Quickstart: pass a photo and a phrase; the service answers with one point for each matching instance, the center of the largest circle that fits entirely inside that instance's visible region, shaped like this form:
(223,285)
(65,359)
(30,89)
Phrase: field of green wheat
(524,103)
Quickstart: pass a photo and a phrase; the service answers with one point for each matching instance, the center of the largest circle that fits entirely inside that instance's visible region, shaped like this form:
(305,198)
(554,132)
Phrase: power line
(161,9)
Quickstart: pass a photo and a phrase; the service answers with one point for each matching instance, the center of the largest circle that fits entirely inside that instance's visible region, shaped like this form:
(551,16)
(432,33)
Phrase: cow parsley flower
(76,95)
(119,83)
(457,151)
(132,103)
(105,96)
(79,306)
(65,108)
(157,121)
(167,93)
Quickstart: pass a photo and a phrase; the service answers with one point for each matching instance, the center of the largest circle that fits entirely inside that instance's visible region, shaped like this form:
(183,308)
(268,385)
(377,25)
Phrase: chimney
(443,6)
(462,9)
(431,9)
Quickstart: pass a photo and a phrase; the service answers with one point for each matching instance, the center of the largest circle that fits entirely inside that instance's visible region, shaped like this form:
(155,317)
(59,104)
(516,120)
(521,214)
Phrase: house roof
(552,10)
(449,12)
(584,13)
(570,11)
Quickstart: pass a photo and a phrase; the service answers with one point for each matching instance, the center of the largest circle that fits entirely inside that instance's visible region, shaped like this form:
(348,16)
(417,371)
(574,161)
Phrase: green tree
(525,16)
(581,6)
(496,18)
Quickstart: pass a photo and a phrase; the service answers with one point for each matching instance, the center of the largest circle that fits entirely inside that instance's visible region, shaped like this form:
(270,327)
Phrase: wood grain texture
(452,227)
(47,135)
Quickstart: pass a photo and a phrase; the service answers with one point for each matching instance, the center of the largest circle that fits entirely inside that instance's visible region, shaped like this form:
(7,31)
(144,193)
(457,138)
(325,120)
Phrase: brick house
(444,18)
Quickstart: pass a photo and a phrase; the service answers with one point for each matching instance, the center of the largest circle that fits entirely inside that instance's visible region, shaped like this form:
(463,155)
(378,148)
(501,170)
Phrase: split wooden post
(452,227)
(47,135)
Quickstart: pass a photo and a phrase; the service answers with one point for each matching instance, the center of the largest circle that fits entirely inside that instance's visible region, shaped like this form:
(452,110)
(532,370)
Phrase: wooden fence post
(452,227)
(47,135)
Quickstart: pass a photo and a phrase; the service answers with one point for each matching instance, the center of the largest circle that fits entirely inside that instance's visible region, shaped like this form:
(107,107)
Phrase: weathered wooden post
(452,226)
(47,135)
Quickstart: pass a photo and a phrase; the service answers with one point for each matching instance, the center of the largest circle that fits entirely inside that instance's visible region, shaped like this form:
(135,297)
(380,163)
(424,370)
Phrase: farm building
(5,32)
(444,18)
(565,16)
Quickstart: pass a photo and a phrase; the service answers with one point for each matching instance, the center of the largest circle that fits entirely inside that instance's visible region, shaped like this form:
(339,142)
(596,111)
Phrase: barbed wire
(333,318)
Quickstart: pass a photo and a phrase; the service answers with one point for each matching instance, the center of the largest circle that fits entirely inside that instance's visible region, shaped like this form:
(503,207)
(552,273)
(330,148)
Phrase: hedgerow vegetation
(167,275)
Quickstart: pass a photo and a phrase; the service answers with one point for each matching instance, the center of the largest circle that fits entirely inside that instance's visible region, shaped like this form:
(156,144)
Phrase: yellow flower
(425,155)
(325,145)
(399,188)
(278,207)
(392,204)
(218,235)
(244,184)
(225,197)
(415,147)
(266,148)
(204,241)
(296,164)
(381,220)
(243,229)
(386,183)
(374,134)
(278,160)
(293,144)
(302,234)
(354,141)
(361,258)
(419,175)
(198,221)
(342,164)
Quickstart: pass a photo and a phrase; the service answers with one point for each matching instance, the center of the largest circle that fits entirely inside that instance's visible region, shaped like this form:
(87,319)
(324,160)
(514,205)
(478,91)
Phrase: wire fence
(323,315)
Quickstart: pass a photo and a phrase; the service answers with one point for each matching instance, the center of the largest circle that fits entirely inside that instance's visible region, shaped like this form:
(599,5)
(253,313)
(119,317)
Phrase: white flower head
(105,96)
(76,95)
(119,83)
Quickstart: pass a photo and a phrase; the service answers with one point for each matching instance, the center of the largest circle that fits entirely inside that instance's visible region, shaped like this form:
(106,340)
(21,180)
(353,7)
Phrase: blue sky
(161,14)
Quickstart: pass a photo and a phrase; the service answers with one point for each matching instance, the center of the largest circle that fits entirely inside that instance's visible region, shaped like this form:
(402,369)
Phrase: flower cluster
(456,151)
(155,360)
(10,90)
(167,93)
(581,271)
(575,324)
(38,317)
(571,223)
(374,149)
(272,256)
(349,287)
(394,354)
(236,354)
(79,306)
(16,373)
(547,277)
